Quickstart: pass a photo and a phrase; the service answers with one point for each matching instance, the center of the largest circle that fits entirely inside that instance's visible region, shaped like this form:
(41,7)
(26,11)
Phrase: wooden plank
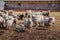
(31,0)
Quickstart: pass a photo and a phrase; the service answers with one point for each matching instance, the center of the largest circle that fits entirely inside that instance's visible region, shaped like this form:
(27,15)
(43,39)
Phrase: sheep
(20,16)
(28,23)
(15,18)
(3,16)
(49,21)
(46,13)
(34,20)
(9,22)
(2,21)
(36,13)
(10,12)
(1,13)
(38,19)
(15,22)
(46,23)
(29,12)
(20,27)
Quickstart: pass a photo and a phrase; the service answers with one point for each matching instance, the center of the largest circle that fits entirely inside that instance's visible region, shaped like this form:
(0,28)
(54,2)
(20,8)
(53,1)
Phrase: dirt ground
(47,33)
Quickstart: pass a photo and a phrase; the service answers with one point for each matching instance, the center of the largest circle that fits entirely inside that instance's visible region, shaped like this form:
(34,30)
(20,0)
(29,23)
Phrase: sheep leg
(8,27)
(36,24)
(50,24)
(30,29)
(31,25)
(4,24)
(43,24)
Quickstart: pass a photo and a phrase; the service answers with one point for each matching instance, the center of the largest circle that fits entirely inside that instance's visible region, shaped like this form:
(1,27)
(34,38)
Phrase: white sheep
(40,20)
(15,19)
(9,21)
(29,12)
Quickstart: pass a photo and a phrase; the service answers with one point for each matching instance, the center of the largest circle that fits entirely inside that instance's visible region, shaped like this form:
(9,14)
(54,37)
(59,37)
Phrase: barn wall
(36,6)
